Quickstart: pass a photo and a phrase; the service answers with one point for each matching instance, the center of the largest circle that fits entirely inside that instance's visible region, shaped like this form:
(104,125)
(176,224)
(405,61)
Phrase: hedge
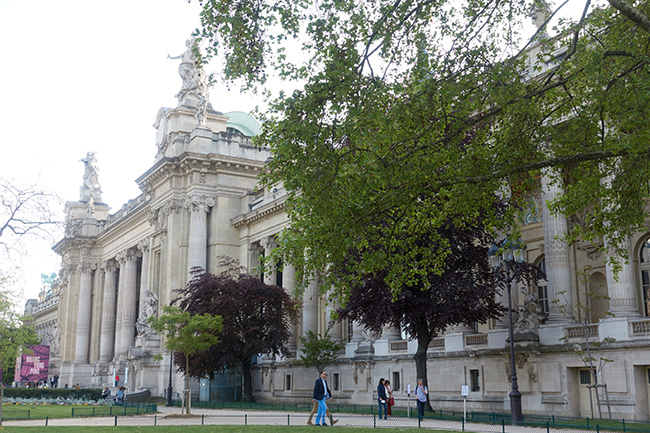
(85,393)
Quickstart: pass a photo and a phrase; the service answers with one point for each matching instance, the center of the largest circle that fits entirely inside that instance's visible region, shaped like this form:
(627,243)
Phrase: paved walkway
(172,416)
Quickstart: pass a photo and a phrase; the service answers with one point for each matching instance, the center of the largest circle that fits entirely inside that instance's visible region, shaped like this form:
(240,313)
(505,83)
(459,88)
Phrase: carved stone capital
(87,267)
(108,265)
(268,243)
(144,244)
(126,255)
(198,203)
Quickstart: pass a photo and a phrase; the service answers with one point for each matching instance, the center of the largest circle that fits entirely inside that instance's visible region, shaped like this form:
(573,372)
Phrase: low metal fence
(495,425)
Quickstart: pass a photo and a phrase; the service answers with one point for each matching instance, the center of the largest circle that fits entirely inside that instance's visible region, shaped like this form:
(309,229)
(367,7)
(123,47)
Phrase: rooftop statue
(90,188)
(194,91)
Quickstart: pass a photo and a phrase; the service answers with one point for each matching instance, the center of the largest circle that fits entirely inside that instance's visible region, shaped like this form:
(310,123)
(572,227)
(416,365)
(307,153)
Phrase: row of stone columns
(117,332)
(621,288)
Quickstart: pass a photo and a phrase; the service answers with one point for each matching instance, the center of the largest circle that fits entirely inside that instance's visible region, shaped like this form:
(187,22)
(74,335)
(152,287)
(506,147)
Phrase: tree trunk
(188,393)
(248,382)
(421,358)
(2,397)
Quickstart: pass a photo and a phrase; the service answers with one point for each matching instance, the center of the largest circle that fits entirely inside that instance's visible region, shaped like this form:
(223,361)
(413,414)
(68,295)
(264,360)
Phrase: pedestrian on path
(421,393)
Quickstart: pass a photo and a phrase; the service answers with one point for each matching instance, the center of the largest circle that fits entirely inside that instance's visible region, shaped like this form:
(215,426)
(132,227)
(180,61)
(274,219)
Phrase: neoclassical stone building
(200,200)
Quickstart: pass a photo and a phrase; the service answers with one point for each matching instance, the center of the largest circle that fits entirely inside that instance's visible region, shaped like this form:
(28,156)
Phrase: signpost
(408,393)
(464,391)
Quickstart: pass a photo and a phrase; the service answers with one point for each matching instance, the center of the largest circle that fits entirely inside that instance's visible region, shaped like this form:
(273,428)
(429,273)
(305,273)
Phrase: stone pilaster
(107,335)
(145,248)
(83,313)
(557,258)
(198,206)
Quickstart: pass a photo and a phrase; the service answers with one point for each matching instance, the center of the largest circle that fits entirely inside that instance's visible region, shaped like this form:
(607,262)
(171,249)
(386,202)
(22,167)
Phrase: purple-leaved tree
(463,293)
(256,318)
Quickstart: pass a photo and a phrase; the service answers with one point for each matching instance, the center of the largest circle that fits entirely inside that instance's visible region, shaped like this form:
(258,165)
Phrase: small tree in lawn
(256,318)
(187,334)
(15,333)
(319,351)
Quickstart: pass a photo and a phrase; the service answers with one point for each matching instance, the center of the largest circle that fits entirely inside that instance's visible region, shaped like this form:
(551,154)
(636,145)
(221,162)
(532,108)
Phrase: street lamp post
(510,254)
(169,387)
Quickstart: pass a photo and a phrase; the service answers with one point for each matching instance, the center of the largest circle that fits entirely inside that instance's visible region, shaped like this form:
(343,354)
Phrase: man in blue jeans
(321,393)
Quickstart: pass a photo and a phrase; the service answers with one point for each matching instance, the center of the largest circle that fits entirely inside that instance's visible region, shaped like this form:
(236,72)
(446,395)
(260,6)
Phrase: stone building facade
(200,200)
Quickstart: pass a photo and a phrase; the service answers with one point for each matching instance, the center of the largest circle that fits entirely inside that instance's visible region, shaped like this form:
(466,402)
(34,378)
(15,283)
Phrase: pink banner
(33,366)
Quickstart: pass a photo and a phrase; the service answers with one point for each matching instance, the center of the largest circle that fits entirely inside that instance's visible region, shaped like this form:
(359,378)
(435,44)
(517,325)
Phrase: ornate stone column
(107,335)
(125,334)
(310,307)
(198,206)
(289,284)
(145,248)
(83,312)
(557,258)
(622,288)
(268,243)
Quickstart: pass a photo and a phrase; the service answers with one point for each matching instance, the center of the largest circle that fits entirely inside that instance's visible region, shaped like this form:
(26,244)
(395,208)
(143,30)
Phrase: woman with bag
(391,400)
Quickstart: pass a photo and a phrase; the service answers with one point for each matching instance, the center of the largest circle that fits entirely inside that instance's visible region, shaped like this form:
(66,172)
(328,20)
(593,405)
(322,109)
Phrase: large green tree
(411,113)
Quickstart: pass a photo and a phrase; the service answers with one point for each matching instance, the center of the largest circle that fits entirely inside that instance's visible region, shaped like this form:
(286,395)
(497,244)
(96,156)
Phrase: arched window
(542,287)
(644,267)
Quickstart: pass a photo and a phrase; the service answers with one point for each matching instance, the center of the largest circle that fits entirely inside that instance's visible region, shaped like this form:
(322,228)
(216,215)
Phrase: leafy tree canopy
(463,293)
(256,319)
(186,334)
(415,113)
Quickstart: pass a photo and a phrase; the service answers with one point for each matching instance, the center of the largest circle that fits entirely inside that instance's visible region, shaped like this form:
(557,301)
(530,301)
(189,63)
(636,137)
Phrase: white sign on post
(464,391)
(408,388)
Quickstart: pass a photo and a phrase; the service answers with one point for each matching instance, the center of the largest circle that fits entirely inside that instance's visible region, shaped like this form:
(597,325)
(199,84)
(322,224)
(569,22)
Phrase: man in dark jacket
(321,394)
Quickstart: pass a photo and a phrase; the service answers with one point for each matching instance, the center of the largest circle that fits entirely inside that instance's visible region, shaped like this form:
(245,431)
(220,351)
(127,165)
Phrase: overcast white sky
(88,75)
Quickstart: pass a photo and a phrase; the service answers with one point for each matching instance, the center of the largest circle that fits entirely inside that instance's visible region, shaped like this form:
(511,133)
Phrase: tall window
(278,273)
(474,380)
(542,288)
(396,381)
(644,267)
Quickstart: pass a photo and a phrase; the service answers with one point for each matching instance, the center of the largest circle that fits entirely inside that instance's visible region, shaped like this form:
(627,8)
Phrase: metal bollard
(288,419)
(155,419)
(374,421)
(115,420)
(47,418)
(203,419)
(245,419)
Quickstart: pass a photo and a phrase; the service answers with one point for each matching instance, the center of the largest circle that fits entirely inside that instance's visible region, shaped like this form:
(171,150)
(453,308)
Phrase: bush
(54,393)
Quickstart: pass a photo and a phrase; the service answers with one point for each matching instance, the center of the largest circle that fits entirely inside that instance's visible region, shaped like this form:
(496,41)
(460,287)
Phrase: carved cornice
(188,163)
(129,221)
(263,212)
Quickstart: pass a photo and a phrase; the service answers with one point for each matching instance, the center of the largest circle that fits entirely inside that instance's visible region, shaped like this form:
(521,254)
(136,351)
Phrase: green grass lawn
(25,411)
(196,429)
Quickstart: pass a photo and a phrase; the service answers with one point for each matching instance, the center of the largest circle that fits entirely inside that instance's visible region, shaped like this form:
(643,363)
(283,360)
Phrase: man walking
(321,393)
(421,393)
